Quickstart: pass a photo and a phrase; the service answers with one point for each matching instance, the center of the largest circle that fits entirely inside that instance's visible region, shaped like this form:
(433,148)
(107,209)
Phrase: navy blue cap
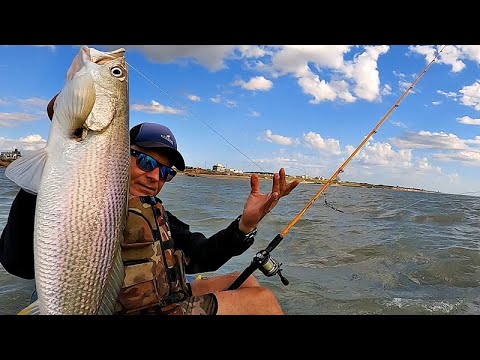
(151,135)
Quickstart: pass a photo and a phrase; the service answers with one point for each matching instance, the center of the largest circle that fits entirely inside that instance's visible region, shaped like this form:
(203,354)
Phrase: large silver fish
(81,179)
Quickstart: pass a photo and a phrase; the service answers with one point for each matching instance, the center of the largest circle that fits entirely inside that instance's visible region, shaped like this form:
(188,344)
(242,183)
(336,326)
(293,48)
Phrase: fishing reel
(269,266)
(264,262)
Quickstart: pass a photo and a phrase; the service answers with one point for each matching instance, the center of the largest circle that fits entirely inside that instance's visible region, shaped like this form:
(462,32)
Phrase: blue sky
(301,107)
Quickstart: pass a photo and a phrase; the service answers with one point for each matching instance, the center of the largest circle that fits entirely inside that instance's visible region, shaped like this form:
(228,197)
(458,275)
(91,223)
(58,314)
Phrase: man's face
(144,183)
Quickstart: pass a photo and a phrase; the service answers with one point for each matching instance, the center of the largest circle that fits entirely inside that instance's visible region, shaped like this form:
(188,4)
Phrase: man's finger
(283,181)
(291,186)
(270,203)
(254,184)
(275,186)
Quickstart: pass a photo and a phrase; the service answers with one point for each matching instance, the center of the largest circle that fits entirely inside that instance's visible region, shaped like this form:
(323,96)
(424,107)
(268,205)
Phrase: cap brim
(175,157)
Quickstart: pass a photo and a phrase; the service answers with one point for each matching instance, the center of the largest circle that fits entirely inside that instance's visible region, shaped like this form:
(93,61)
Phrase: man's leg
(248,301)
(220,283)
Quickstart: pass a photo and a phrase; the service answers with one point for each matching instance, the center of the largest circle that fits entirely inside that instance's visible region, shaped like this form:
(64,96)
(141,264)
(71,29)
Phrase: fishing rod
(262,259)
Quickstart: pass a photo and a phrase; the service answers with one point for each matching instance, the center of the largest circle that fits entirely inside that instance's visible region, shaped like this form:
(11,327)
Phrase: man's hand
(258,205)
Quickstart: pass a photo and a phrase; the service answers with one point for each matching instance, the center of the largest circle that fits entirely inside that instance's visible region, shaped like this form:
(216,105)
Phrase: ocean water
(386,252)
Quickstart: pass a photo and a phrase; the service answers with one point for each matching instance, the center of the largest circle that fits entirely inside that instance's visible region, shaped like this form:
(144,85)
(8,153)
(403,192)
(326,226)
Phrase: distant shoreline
(246,176)
(193,173)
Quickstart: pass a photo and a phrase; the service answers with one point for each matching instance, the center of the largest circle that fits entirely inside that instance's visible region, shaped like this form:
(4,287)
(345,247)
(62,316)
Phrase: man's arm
(208,254)
(16,242)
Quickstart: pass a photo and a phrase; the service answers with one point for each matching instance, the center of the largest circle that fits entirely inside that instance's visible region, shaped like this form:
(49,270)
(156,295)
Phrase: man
(159,249)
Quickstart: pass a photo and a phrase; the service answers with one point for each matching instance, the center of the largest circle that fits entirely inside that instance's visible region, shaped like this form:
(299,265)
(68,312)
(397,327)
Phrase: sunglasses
(148,163)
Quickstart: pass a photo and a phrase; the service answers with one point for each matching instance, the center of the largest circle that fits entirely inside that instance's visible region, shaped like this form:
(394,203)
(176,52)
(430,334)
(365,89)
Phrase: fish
(81,179)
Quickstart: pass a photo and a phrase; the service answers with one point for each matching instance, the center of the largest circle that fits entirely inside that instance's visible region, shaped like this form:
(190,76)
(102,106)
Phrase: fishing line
(374,130)
(195,116)
(262,260)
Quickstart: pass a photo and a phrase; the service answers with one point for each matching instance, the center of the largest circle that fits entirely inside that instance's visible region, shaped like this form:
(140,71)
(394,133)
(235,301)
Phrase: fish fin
(27,170)
(74,104)
(32,309)
(79,61)
(106,109)
(101,57)
(113,286)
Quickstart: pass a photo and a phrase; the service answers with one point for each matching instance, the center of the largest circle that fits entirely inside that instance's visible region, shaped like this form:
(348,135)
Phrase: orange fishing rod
(262,260)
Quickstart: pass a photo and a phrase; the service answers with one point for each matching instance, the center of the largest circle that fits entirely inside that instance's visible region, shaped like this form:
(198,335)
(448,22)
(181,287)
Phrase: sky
(262,107)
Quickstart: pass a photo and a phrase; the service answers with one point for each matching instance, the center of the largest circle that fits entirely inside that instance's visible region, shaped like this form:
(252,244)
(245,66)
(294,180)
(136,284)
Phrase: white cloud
(471,52)
(449,94)
(466,157)
(255,83)
(157,108)
(399,124)
(51,47)
(350,149)
(436,103)
(387,90)
(319,89)
(316,141)
(475,141)
(468,120)
(429,140)
(365,74)
(14,119)
(404,85)
(424,165)
(254,113)
(471,95)
(278,139)
(451,147)
(219,99)
(341,89)
(27,143)
(450,55)
(306,62)
(34,102)
(383,154)
(193,97)
(252,51)
(294,59)
(211,56)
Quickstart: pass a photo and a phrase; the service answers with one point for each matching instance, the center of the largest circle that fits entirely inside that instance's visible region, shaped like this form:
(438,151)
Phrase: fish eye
(116,71)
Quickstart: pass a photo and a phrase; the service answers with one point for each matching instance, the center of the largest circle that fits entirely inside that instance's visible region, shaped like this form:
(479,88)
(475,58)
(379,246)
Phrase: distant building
(10,155)
(218,168)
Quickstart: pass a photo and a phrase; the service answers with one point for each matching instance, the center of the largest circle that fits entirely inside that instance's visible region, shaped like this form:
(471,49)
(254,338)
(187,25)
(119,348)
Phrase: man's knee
(250,282)
(266,295)
(266,299)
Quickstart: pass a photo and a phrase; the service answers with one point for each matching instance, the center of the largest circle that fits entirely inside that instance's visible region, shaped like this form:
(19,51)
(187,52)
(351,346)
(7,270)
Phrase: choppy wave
(388,252)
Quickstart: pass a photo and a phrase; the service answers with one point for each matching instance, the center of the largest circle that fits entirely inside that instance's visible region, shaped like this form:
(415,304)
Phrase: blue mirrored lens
(167,173)
(148,163)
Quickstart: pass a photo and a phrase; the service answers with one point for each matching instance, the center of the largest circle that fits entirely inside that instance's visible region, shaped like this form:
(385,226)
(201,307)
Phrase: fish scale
(83,189)
(85,251)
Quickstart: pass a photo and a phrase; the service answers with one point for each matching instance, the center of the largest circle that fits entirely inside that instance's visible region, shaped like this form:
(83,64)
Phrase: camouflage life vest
(155,278)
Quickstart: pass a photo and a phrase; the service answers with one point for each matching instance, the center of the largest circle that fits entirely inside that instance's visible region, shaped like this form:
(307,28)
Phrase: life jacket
(155,280)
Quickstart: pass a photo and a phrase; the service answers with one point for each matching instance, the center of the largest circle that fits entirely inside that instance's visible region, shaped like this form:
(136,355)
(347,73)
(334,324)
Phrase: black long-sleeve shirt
(205,254)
